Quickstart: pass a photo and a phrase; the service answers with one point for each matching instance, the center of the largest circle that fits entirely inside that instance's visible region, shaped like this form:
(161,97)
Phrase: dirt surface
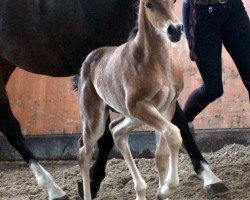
(231,164)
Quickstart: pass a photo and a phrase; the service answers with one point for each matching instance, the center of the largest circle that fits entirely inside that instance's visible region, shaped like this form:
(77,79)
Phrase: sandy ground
(232,164)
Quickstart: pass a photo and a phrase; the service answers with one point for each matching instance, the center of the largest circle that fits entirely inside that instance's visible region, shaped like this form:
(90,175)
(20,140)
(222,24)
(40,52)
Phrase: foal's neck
(149,38)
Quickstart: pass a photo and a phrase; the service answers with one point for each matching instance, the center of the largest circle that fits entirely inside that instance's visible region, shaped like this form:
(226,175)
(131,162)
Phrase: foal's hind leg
(97,171)
(120,130)
(92,131)
(94,114)
(10,127)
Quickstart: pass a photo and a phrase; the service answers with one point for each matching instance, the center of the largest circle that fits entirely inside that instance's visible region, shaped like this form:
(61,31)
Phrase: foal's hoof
(80,190)
(164,192)
(62,198)
(217,189)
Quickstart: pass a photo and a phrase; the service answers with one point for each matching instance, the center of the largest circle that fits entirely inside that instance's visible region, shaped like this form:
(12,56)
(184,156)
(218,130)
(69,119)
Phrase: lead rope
(192,23)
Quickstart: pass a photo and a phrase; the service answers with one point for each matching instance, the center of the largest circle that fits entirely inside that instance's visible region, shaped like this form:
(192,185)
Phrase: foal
(140,81)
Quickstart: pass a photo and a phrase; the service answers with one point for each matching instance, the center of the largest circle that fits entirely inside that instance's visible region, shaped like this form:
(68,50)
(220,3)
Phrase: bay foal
(118,77)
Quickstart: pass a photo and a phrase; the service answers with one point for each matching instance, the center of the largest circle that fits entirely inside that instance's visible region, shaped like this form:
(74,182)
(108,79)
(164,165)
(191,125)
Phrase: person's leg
(236,39)
(185,17)
(208,46)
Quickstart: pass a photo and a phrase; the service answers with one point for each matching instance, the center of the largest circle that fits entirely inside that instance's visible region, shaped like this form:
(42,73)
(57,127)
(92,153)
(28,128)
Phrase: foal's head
(161,15)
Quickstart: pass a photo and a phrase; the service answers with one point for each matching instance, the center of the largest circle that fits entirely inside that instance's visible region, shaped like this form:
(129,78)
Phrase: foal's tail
(94,56)
(74,81)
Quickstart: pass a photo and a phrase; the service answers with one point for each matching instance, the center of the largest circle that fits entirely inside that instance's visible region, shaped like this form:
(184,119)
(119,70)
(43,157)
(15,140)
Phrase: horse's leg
(10,127)
(212,183)
(120,133)
(97,171)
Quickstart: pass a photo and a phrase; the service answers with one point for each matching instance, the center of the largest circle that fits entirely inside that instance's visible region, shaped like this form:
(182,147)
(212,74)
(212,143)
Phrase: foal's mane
(134,31)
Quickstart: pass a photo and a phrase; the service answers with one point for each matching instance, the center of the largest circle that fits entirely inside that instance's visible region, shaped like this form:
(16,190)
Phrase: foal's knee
(175,139)
(162,149)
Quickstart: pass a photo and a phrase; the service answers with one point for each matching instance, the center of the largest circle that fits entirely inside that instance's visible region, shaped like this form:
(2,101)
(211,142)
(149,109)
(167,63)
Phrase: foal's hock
(141,81)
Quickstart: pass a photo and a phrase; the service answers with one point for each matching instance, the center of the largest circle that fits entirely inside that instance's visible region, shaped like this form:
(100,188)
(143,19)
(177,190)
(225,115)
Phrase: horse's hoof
(216,189)
(62,198)
(80,190)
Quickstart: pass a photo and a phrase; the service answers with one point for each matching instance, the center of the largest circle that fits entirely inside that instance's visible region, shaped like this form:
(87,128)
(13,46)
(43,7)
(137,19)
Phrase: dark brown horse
(53,38)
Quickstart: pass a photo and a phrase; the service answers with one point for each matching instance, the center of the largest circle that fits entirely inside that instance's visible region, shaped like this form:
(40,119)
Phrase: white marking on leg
(84,161)
(161,158)
(46,181)
(208,176)
(172,180)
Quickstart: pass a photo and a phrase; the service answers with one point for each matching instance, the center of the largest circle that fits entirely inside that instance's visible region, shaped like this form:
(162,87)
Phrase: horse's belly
(54,37)
(42,36)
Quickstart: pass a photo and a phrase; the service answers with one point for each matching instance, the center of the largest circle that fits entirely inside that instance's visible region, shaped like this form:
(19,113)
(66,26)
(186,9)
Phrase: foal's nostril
(179,28)
(182,28)
(171,29)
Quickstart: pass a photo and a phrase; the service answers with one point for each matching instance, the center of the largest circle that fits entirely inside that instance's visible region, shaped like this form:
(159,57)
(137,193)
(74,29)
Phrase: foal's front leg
(161,159)
(120,130)
(148,114)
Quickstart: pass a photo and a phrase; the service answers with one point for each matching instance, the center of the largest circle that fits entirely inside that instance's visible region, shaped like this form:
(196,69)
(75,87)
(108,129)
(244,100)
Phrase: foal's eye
(149,5)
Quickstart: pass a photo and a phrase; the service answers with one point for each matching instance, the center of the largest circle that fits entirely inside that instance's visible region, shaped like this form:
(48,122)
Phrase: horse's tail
(74,81)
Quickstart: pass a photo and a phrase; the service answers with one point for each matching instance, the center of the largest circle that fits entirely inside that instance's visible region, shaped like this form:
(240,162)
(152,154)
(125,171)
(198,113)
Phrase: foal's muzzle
(174,32)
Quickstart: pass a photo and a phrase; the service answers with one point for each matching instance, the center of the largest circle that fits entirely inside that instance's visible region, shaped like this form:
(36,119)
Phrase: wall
(46,105)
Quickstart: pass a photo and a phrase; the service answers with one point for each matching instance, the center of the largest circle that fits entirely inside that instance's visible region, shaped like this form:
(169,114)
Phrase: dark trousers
(227,24)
